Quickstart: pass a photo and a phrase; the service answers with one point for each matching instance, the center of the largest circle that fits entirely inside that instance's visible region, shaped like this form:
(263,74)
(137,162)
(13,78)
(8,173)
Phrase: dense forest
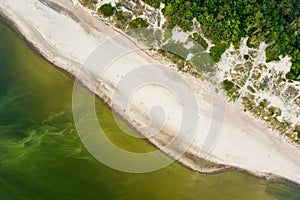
(277,22)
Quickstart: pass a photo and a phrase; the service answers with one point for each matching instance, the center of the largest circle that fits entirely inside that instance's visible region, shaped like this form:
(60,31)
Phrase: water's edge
(223,168)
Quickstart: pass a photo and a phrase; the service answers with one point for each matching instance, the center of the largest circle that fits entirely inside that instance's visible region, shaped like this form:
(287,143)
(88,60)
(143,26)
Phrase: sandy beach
(67,34)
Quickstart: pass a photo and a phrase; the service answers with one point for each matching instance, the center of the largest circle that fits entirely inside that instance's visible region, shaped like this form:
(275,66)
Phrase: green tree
(227,85)
(217,51)
(106,10)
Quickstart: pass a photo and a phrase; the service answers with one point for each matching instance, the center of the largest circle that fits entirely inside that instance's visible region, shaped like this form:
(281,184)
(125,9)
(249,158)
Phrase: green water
(41,156)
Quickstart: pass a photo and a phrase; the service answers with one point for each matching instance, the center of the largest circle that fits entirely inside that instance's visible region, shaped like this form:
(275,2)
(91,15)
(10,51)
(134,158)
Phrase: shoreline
(68,71)
(105,100)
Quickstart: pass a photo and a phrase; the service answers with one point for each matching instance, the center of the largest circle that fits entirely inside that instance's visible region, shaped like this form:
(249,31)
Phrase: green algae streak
(41,156)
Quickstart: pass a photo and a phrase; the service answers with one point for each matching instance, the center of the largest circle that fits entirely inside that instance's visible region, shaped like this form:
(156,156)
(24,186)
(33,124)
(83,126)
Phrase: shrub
(217,51)
(106,10)
(227,85)
(138,23)
(88,3)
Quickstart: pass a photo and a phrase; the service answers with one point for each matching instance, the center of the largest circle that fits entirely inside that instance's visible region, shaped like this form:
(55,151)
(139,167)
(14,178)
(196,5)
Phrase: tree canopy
(276,22)
(106,10)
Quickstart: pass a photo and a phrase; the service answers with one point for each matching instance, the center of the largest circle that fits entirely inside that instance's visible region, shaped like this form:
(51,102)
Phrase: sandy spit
(67,34)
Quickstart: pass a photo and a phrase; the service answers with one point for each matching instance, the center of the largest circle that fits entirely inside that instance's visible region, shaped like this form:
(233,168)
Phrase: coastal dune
(66,34)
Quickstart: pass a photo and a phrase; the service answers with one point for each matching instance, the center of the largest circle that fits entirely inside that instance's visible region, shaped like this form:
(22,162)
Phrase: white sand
(245,143)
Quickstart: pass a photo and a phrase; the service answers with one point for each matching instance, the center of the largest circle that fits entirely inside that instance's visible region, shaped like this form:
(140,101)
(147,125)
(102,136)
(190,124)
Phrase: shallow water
(41,156)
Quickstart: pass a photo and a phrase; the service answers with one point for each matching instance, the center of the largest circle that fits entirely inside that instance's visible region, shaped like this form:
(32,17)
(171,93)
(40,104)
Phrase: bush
(168,34)
(106,10)
(297,130)
(227,85)
(138,23)
(88,3)
(217,51)
(153,3)
(197,37)
(246,57)
(291,76)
